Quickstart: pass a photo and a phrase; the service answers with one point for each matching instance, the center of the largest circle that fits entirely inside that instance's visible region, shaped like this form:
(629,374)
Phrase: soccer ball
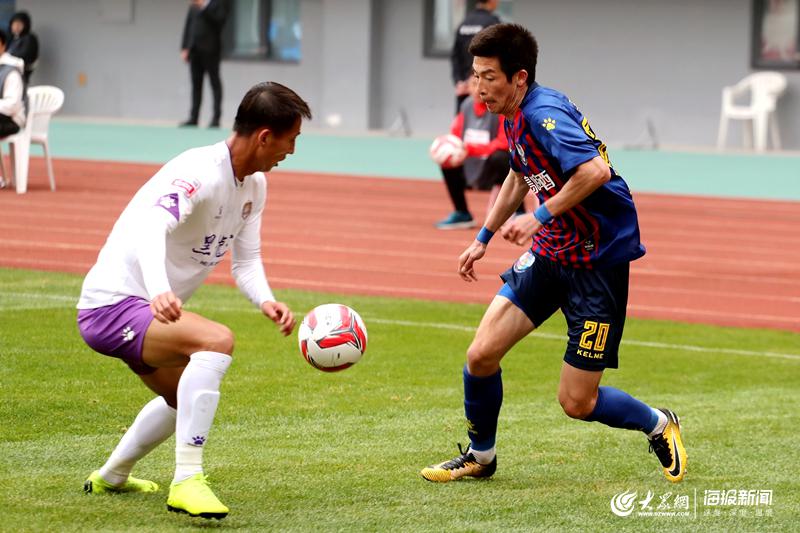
(448,151)
(332,337)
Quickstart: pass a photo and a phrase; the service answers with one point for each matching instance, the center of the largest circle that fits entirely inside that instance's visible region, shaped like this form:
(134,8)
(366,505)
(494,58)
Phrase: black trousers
(201,63)
(7,126)
(460,98)
(494,173)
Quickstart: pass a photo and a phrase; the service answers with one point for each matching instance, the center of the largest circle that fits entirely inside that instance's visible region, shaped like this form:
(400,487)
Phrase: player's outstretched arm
(166,307)
(279,313)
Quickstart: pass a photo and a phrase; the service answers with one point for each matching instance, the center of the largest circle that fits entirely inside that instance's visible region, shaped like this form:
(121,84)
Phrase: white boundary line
(467,329)
(630,342)
(470,329)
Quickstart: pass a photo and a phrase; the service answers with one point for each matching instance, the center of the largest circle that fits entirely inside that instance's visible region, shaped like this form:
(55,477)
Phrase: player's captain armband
(188,186)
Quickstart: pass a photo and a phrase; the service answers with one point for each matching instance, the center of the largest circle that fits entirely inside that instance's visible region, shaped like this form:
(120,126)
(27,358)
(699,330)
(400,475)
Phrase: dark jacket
(460,58)
(25,45)
(202,31)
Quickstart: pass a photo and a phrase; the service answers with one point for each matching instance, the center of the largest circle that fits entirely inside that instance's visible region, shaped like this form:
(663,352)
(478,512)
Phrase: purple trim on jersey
(118,330)
(170,203)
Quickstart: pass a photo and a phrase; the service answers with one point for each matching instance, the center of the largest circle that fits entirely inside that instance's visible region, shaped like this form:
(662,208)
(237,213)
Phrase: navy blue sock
(619,409)
(483,397)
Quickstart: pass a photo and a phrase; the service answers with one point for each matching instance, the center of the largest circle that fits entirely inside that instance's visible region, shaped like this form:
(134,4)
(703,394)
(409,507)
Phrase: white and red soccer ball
(448,151)
(332,337)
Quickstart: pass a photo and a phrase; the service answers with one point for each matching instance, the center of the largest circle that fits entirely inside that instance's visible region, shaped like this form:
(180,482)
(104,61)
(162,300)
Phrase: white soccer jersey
(178,227)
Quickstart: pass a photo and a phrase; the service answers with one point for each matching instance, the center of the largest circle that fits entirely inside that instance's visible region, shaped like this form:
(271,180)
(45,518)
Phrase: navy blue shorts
(593,301)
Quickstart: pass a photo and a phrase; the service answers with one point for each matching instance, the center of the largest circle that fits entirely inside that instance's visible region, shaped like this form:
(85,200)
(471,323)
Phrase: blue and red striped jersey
(547,141)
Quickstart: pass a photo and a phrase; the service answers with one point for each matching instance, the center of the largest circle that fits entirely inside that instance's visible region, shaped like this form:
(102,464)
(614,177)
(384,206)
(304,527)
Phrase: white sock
(484,457)
(153,425)
(198,395)
(660,426)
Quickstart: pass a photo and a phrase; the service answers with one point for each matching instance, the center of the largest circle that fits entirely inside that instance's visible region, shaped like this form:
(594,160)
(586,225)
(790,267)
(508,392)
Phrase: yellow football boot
(194,497)
(95,484)
(463,465)
(669,449)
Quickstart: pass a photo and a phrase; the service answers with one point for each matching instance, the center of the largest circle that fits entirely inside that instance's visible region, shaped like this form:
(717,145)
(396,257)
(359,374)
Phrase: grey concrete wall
(346,63)
(621,61)
(133,69)
(630,59)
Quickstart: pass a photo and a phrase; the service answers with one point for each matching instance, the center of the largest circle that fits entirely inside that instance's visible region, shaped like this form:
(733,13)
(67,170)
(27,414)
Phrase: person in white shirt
(176,229)
(12,93)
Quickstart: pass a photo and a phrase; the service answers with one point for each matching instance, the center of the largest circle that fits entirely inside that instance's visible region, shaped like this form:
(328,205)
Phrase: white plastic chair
(43,102)
(764,89)
(19,153)
(50,100)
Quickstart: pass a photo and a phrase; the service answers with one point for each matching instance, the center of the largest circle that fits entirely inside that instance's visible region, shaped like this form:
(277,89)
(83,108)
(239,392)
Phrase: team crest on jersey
(247,208)
(188,188)
(524,262)
(521,153)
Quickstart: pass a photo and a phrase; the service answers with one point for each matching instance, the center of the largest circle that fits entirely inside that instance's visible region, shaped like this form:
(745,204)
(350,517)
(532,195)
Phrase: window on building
(7,9)
(442,18)
(264,29)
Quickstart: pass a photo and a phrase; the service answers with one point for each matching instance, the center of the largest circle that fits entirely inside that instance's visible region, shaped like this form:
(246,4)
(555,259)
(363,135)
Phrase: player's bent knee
(575,408)
(482,361)
(218,339)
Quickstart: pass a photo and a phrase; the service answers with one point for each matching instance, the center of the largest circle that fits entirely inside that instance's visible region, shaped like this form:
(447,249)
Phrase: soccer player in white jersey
(176,229)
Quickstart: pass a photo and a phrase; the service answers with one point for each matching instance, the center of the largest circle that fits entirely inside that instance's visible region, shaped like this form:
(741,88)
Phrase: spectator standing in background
(23,43)
(201,47)
(460,58)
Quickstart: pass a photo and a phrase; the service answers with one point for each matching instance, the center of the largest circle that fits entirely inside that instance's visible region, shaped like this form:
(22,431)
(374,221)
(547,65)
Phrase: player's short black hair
(269,105)
(513,45)
(3,37)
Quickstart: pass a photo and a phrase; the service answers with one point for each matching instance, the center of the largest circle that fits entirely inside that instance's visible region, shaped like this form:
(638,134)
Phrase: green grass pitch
(295,449)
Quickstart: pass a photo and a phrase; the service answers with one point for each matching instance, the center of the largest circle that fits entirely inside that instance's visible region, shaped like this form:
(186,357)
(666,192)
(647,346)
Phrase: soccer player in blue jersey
(585,234)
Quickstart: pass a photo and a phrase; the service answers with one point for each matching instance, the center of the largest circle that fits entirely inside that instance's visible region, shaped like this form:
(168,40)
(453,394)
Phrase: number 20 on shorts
(594,335)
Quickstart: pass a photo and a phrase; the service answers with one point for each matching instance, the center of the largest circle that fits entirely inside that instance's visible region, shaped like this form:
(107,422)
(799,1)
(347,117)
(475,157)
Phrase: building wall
(133,68)
(623,62)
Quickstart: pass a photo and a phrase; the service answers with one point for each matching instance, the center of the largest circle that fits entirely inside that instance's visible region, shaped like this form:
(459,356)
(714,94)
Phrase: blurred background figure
(460,58)
(486,163)
(201,47)
(12,93)
(23,43)
(779,30)
(12,108)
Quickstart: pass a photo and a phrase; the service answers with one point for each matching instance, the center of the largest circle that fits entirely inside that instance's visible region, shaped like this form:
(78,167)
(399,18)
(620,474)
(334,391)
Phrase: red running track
(719,261)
